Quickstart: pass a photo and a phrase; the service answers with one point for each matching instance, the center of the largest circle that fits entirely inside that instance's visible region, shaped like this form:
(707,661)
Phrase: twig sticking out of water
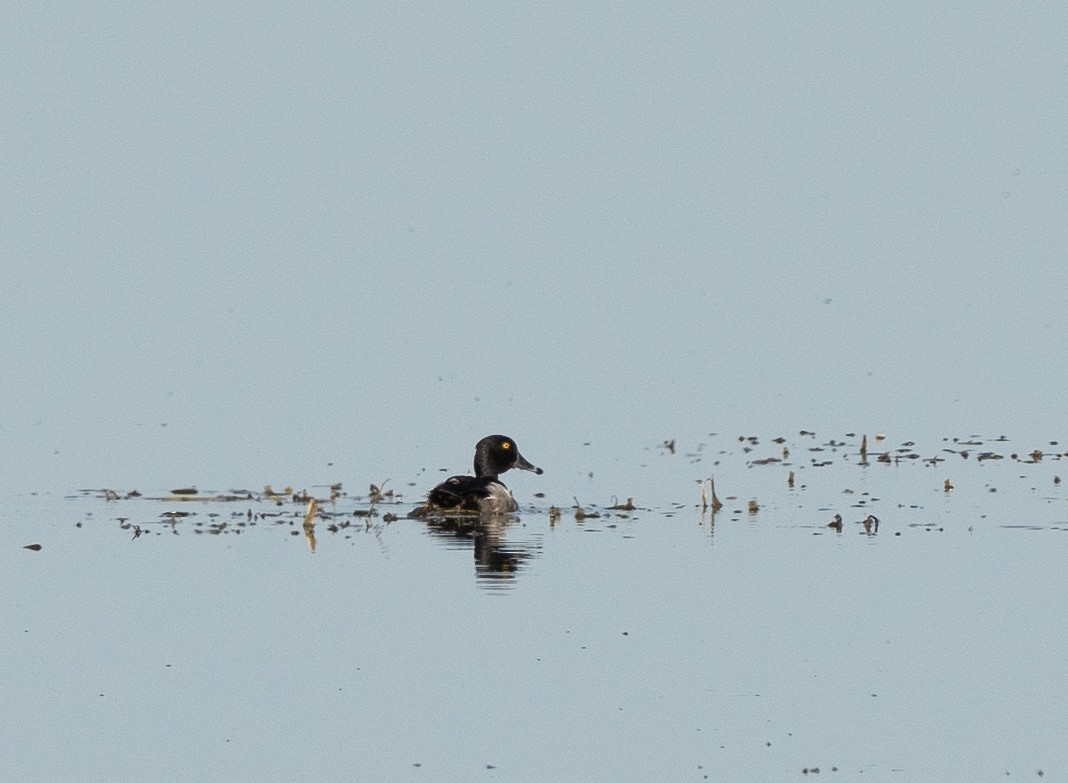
(715,504)
(309,523)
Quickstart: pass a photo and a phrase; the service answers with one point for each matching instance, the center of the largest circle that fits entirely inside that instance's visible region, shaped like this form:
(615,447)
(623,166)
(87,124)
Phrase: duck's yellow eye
(506,445)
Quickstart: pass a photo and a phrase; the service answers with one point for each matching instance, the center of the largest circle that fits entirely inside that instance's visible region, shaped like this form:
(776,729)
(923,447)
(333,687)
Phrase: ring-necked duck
(483,492)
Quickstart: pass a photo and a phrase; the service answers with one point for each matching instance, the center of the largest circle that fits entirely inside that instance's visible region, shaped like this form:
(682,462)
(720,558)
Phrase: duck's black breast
(462,492)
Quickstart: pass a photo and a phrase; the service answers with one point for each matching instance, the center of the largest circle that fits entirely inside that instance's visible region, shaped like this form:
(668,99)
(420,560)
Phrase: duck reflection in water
(496,558)
(478,507)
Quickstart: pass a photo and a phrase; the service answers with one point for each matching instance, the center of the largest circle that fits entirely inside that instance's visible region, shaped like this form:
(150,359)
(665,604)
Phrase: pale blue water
(656,642)
(309,246)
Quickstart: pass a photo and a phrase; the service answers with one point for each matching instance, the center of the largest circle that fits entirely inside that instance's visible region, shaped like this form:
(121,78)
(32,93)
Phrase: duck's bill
(522,464)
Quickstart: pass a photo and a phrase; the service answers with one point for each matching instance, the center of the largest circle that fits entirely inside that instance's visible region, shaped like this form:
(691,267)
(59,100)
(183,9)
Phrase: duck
(483,492)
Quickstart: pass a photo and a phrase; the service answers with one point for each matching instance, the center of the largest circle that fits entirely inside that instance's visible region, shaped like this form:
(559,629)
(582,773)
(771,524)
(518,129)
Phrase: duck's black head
(495,454)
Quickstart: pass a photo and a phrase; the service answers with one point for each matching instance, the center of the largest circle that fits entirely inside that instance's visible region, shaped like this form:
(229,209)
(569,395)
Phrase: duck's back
(471,493)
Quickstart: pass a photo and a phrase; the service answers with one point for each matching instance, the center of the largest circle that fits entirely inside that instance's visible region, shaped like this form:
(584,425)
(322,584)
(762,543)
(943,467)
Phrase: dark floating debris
(33,547)
(299,511)
(582,514)
(378,494)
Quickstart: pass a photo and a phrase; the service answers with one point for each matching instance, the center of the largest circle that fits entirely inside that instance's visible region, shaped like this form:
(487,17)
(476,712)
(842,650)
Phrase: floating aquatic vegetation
(710,500)
(380,495)
(190,509)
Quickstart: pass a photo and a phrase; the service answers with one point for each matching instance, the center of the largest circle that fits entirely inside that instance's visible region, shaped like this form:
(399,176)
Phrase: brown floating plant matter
(715,503)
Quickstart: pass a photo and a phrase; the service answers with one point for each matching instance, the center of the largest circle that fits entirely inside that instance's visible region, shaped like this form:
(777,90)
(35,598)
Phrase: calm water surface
(653,643)
(292,246)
